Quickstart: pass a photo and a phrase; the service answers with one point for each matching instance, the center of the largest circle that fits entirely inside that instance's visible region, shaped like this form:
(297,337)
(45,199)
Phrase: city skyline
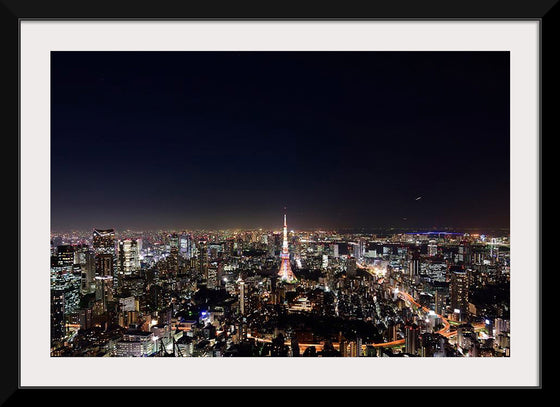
(280,204)
(225,140)
(236,295)
(380,230)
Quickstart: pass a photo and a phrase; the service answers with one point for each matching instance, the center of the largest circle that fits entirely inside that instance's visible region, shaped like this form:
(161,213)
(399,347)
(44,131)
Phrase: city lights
(280,204)
(354,295)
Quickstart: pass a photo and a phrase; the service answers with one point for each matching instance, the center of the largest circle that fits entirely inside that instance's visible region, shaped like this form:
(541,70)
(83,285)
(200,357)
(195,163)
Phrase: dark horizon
(226,140)
(373,230)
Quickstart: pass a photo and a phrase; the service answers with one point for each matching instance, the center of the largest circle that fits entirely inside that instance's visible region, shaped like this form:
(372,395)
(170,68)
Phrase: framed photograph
(327,198)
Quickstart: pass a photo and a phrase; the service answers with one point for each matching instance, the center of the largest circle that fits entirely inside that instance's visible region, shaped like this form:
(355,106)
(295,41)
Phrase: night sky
(151,140)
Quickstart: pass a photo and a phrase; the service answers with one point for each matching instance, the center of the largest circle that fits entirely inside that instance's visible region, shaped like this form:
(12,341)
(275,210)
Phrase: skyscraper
(88,273)
(285,272)
(464,255)
(104,279)
(414,265)
(351,267)
(185,246)
(174,253)
(439,300)
(203,259)
(241,297)
(412,332)
(57,315)
(65,255)
(129,256)
(104,265)
(104,245)
(432,248)
(104,241)
(459,291)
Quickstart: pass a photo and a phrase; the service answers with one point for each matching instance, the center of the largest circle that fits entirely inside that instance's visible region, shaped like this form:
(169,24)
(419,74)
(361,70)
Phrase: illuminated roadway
(400,342)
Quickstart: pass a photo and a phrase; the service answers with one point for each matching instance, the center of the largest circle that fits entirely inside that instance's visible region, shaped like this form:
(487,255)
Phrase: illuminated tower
(285,272)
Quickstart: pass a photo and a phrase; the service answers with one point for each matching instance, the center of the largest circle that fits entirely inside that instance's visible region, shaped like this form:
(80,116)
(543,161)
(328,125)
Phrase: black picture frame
(12,12)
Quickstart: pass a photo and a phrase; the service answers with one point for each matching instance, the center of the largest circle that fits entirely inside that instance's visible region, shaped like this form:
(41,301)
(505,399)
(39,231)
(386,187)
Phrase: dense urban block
(257,293)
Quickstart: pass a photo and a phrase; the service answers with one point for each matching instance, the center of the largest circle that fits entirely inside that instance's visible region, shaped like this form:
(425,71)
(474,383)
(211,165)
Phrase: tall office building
(361,248)
(174,241)
(104,279)
(335,250)
(104,265)
(80,251)
(88,273)
(174,253)
(359,350)
(439,301)
(464,255)
(414,265)
(185,246)
(212,280)
(242,295)
(203,259)
(432,248)
(500,326)
(104,245)
(85,317)
(412,335)
(104,290)
(459,291)
(57,315)
(104,241)
(356,249)
(65,256)
(325,261)
(276,243)
(129,257)
(351,267)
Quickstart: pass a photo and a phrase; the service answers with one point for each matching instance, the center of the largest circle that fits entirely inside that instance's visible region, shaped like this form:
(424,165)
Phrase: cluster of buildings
(279,293)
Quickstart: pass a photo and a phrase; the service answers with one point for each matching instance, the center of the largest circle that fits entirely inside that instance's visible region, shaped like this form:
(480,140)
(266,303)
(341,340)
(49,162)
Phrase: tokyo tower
(285,272)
